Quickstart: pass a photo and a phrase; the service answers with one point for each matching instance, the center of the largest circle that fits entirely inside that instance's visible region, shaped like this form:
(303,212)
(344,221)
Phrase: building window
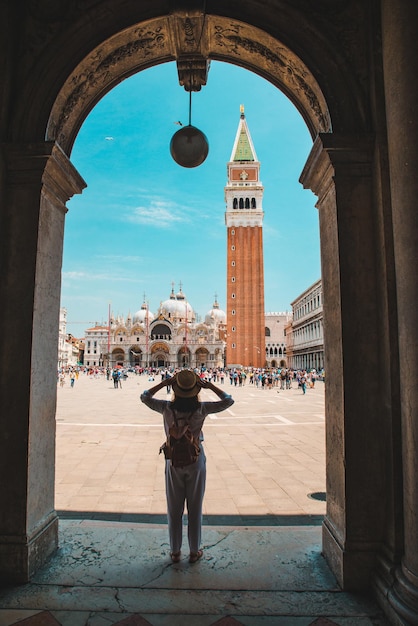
(267,331)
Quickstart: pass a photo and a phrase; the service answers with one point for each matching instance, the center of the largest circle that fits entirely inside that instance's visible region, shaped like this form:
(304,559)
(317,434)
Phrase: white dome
(141,315)
(176,306)
(215,315)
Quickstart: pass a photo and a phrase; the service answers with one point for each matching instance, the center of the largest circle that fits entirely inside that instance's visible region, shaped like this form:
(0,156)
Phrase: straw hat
(185,384)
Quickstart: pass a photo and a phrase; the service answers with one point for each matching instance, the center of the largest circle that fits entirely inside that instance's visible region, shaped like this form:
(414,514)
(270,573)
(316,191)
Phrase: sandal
(195,556)
(175,557)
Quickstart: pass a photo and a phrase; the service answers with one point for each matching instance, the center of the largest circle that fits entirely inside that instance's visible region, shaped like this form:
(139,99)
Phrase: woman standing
(186,484)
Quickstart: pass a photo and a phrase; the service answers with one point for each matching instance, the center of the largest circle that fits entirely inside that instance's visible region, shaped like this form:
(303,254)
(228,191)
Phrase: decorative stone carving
(192,64)
(192,40)
(193,72)
(258,49)
(121,55)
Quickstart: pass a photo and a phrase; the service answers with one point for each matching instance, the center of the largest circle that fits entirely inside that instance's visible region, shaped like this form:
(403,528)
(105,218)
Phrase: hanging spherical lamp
(189,147)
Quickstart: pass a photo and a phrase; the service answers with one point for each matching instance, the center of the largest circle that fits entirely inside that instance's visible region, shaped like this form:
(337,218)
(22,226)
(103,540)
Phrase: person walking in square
(186,485)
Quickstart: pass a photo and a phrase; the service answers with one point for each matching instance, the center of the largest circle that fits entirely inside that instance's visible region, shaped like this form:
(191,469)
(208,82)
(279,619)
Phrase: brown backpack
(181,447)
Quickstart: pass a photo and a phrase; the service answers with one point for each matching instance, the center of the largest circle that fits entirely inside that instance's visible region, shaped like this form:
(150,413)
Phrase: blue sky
(144,222)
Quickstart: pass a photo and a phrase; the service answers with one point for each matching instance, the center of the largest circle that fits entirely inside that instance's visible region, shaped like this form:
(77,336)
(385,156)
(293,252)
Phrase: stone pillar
(400,65)
(39,180)
(339,171)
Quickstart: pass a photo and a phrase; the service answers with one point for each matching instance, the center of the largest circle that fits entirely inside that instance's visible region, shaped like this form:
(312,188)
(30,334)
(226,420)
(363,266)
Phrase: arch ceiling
(192,41)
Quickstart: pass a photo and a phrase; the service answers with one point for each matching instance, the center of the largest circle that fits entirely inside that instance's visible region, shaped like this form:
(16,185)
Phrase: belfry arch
(359,127)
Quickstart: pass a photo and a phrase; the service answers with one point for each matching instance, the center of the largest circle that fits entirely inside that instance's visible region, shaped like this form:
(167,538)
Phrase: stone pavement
(265,455)
(263,508)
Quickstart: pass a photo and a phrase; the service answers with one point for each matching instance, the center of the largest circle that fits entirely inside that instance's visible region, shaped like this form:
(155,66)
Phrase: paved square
(265,455)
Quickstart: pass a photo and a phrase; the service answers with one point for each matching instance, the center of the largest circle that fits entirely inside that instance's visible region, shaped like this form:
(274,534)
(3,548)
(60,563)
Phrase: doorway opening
(170,228)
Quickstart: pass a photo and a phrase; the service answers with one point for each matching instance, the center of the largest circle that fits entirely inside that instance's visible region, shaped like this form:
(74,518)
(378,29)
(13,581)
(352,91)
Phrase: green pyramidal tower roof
(243,149)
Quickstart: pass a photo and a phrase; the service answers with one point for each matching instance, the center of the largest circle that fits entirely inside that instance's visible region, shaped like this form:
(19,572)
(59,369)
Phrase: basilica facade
(173,337)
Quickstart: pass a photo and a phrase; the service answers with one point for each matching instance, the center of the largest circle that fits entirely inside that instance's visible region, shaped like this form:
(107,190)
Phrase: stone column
(339,171)
(39,180)
(400,64)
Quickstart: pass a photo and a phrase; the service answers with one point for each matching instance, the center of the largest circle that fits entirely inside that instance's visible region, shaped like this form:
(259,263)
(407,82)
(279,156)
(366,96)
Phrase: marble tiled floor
(106,572)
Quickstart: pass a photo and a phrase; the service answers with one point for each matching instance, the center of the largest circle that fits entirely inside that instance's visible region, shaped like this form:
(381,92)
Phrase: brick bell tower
(245,344)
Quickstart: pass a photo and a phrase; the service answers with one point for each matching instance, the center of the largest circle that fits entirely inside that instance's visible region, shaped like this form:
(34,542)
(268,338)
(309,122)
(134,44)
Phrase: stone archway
(345,169)
(192,40)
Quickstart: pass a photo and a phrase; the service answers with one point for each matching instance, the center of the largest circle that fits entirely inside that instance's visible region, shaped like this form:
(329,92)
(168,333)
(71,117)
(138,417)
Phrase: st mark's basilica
(174,337)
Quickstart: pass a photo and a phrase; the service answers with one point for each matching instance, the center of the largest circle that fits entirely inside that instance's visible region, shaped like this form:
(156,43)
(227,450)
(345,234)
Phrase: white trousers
(185,486)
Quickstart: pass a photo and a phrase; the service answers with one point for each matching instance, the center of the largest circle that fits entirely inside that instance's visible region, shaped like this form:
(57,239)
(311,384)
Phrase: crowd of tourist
(280,378)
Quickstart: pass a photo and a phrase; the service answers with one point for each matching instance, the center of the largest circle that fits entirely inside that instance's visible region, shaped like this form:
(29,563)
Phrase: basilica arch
(327,59)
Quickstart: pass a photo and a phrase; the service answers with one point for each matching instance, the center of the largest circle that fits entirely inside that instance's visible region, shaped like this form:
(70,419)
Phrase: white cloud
(73,275)
(120,258)
(159,213)
(92,276)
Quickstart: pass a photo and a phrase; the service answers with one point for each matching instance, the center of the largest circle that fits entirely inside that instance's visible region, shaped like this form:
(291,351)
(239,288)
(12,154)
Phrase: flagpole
(187,352)
(108,337)
(147,336)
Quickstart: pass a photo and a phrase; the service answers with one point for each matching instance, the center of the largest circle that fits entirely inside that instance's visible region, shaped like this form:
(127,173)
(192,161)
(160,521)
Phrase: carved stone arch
(163,39)
(137,329)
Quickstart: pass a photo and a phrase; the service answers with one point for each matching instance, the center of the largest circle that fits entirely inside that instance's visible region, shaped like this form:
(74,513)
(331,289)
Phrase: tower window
(233,311)
(233,279)
(241,203)
(233,231)
(232,248)
(233,263)
(232,295)
(247,203)
(233,345)
(233,329)
(253,203)
(235,203)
